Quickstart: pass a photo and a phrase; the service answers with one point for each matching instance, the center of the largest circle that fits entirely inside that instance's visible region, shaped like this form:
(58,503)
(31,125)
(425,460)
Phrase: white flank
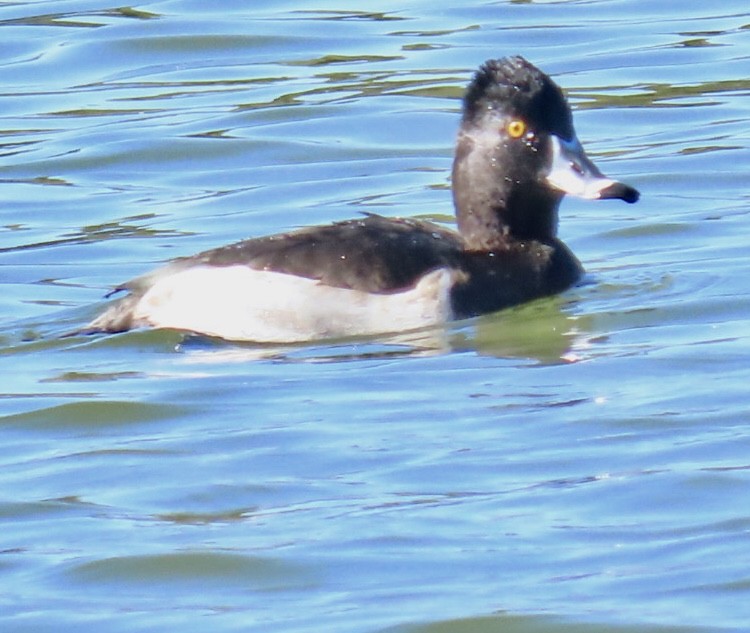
(241,304)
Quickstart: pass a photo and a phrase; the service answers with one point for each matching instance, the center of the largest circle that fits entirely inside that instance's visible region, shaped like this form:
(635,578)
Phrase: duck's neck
(492,208)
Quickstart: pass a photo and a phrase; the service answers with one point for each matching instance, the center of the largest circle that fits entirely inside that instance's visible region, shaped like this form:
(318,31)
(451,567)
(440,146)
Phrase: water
(577,464)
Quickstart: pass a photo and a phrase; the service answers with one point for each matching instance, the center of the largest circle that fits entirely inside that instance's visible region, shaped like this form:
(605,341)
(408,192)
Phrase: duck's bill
(573,172)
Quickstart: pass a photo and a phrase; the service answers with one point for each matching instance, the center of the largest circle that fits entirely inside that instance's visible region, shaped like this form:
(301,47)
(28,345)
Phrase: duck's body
(358,277)
(516,156)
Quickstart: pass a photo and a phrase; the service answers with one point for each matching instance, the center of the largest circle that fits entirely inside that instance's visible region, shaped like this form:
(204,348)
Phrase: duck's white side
(242,304)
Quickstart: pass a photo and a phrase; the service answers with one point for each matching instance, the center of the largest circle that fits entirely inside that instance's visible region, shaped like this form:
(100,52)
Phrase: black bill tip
(621,191)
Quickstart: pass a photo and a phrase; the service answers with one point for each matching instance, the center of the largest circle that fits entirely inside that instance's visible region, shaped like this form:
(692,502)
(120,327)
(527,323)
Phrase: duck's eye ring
(516,128)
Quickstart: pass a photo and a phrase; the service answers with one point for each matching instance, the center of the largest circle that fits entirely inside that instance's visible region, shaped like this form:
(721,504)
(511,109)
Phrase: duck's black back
(373,254)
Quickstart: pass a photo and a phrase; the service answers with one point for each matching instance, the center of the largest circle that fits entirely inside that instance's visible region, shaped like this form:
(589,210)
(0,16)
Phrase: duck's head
(517,155)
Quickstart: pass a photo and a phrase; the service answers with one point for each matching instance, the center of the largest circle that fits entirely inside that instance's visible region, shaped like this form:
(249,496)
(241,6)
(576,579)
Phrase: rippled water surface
(578,464)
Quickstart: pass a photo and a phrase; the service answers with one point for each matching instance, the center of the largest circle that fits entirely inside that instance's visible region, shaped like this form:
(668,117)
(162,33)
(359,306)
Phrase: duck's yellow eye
(516,128)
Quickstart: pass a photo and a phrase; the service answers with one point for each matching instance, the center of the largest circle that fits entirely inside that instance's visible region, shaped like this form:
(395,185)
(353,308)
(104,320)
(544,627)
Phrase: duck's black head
(517,155)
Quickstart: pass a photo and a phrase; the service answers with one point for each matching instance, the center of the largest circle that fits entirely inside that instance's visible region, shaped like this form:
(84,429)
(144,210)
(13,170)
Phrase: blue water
(577,464)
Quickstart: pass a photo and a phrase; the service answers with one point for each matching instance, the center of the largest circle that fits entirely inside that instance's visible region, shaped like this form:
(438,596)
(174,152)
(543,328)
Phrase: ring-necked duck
(516,156)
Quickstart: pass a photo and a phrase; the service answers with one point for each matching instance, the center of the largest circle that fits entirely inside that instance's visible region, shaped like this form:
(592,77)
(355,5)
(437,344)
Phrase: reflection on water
(577,463)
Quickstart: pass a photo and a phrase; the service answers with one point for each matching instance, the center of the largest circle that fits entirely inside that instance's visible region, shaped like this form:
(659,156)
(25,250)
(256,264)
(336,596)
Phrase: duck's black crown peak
(517,87)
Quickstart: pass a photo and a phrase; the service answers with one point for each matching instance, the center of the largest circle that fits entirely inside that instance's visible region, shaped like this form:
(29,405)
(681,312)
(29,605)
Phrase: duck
(516,156)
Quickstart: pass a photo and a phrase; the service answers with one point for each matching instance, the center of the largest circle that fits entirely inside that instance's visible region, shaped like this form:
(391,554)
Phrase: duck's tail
(119,317)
